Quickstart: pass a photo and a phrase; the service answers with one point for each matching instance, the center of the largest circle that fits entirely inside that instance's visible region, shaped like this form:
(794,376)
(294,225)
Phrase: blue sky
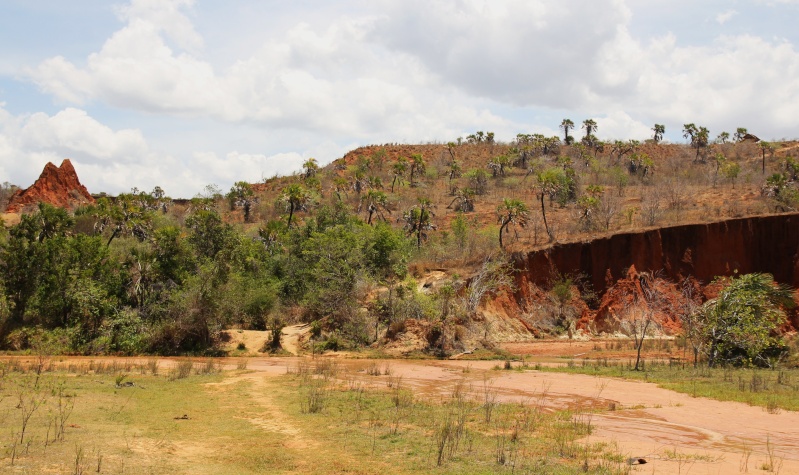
(184,93)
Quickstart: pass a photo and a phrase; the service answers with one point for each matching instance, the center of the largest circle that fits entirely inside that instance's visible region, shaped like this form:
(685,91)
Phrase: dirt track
(674,432)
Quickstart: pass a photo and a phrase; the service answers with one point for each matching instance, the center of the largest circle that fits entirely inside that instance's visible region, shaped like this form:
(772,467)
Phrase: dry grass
(242,422)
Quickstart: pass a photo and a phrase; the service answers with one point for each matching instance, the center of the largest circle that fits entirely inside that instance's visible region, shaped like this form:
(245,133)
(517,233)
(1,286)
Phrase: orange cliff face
(677,256)
(702,251)
(58,186)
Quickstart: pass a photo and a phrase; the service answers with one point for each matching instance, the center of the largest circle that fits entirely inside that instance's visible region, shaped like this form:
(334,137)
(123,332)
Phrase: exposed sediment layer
(704,251)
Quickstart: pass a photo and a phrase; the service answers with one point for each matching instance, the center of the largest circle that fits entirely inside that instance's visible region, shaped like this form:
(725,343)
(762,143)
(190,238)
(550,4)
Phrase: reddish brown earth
(666,260)
(674,432)
(58,186)
(703,251)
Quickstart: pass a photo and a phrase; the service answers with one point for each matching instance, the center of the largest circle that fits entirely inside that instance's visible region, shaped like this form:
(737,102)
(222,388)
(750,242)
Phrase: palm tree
(311,167)
(398,171)
(740,133)
(549,182)
(659,129)
(340,185)
(418,167)
(375,202)
(590,127)
(498,165)
(455,171)
(451,149)
(296,198)
(463,201)
(565,126)
(689,132)
(242,196)
(418,220)
(511,211)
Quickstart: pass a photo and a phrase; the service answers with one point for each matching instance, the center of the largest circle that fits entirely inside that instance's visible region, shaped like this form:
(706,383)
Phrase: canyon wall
(755,244)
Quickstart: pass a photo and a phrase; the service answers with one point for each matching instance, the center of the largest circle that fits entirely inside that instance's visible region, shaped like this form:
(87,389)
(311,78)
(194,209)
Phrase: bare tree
(638,320)
(651,209)
(609,207)
(495,273)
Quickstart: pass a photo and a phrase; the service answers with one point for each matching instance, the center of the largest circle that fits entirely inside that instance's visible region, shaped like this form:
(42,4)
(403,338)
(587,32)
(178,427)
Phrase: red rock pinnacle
(58,186)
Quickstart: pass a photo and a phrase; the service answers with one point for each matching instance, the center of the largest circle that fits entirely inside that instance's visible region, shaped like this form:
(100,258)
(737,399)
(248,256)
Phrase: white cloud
(391,71)
(735,81)
(167,16)
(523,52)
(343,80)
(71,132)
(725,16)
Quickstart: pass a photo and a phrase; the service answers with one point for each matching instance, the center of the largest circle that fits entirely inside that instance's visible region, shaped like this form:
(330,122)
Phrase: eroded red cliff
(703,251)
(672,258)
(58,186)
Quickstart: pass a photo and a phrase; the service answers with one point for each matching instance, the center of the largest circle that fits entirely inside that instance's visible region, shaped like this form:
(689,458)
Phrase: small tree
(242,196)
(766,147)
(741,324)
(731,171)
(498,164)
(638,319)
(637,323)
(511,211)
(463,201)
(295,197)
(375,203)
(310,168)
(495,273)
(740,133)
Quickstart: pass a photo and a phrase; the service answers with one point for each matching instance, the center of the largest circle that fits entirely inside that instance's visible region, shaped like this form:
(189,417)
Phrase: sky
(186,93)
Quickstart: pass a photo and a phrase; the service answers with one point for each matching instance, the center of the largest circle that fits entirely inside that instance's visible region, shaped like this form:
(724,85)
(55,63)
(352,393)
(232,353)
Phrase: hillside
(416,248)
(675,189)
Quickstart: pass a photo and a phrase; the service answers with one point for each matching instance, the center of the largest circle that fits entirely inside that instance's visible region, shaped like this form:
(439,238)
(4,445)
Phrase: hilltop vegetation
(348,246)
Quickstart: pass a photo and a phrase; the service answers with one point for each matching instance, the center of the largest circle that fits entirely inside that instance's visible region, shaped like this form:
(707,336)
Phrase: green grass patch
(773,390)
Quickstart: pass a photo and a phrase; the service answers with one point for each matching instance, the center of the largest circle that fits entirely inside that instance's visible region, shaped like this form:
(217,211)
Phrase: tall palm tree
(398,171)
(590,127)
(418,167)
(549,182)
(418,220)
(659,130)
(296,198)
(566,125)
(375,202)
(310,167)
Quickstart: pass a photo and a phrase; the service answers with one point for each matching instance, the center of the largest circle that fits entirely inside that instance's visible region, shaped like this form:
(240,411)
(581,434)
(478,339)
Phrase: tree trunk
(640,344)
(291,213)
(544,214)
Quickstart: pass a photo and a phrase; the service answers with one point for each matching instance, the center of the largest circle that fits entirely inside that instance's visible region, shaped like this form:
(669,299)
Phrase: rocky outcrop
(702,251)
(58,186)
